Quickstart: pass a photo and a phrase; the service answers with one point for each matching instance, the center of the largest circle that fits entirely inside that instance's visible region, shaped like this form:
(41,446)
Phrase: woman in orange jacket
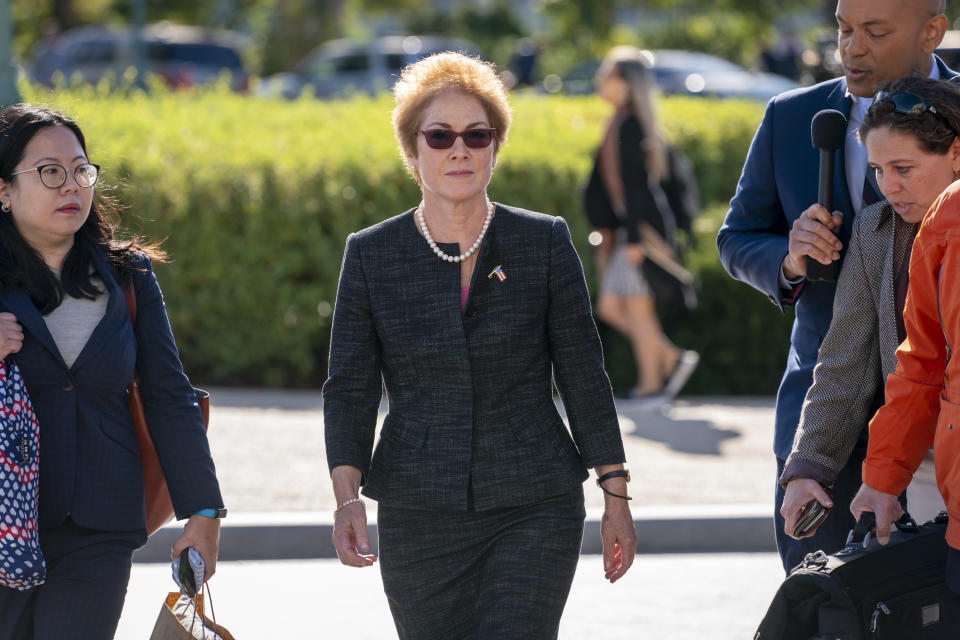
(923,394)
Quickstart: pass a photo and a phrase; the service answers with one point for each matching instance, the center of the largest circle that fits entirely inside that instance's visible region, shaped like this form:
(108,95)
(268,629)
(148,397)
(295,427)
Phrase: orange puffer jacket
(923,393)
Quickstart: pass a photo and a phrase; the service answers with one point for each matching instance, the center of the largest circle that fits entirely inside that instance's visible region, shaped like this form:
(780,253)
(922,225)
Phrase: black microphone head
(828,129)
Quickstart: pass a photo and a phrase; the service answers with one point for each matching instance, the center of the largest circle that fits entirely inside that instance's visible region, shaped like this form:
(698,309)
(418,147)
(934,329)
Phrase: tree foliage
(283,31)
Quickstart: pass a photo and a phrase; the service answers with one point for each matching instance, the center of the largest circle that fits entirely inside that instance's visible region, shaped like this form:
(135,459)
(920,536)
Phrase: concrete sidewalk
(669,597)
(702,476)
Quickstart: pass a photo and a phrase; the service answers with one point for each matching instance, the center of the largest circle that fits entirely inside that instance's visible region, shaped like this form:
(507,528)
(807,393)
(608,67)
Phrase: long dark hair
(934,131)
(21,266)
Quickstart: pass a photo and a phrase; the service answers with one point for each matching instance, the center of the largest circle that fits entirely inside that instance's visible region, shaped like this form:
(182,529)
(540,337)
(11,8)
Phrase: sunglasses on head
(444,138)
(910,104)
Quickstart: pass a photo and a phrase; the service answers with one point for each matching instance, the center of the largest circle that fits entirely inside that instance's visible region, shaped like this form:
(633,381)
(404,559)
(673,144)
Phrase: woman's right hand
(11,334)
(350,536)
(799,492)
(350,521)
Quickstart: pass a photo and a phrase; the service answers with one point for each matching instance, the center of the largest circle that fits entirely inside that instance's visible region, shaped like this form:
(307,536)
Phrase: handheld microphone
(827,132)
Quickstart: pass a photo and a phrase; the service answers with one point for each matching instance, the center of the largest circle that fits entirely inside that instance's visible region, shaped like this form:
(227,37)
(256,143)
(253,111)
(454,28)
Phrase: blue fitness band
(211,513)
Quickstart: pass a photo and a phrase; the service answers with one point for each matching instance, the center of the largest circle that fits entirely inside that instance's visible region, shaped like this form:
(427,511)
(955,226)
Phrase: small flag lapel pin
(497,271)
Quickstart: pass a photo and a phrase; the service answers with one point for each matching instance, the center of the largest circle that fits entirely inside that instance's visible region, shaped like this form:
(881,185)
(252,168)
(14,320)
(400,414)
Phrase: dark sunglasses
(444,138)
(910,104)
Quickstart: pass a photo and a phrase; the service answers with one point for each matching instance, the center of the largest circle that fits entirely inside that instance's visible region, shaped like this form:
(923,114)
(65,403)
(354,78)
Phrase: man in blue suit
(774,223)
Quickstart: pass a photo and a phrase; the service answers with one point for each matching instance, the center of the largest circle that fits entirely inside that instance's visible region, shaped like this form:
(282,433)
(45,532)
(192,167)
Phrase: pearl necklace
(437,250)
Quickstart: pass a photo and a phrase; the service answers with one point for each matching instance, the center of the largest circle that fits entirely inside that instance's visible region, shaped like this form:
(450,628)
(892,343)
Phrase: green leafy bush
(255,197)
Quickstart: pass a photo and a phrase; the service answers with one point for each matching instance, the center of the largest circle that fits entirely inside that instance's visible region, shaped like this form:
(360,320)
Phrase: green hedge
(254,198)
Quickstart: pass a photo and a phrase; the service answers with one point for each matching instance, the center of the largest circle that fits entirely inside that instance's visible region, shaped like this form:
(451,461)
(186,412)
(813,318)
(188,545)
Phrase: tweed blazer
(857,354)
(471,421)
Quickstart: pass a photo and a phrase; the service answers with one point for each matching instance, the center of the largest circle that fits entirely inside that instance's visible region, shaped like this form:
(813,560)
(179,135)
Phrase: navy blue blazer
(778,183)
(89,457)
(470,394)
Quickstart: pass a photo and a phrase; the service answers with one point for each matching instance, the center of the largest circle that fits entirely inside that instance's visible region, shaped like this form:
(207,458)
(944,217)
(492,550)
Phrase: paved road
(667,597)
(268,447)
(702,457)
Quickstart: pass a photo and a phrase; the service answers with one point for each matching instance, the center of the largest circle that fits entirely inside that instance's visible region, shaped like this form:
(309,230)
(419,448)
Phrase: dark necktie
(871,192)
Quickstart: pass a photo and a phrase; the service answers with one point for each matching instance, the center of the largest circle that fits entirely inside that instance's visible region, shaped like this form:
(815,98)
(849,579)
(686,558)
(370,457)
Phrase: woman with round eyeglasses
(467,312)
(910,132)
(64,319)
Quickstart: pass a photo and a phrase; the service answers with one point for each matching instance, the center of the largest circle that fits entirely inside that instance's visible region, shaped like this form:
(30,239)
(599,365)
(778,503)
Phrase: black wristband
(619,473)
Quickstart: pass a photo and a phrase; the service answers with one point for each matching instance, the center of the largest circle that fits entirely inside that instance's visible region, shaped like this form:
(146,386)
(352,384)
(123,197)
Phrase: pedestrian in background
(66,323)
(774,226)
(463,310)
(910,132)
(626,202)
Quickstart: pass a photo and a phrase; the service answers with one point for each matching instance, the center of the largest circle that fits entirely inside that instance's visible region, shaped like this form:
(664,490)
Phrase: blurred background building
(333,47)
(287,152)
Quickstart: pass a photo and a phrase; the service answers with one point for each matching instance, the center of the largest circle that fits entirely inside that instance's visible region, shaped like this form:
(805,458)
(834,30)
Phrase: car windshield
(691,62)
(93,51)
(197,53)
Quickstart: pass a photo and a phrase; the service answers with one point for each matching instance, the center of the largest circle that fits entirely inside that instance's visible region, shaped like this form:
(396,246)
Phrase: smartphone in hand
(811,515)
(188,572)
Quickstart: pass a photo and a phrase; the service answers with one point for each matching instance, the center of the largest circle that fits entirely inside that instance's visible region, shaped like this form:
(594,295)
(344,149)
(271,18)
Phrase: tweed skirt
(474,575)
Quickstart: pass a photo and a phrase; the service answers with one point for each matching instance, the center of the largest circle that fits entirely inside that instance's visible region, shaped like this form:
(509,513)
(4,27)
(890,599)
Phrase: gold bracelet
(347,503)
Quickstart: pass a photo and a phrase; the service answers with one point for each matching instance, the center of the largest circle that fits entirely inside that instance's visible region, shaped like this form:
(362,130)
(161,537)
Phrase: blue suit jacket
(471,409)
(89,457)
(779,181)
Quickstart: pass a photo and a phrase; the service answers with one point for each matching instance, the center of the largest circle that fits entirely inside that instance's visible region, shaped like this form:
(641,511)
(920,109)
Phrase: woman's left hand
(619,538)
(203,534)
(635,254)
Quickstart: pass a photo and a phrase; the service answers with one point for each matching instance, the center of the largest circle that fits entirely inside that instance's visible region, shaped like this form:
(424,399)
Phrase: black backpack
(867,591)
(681,189)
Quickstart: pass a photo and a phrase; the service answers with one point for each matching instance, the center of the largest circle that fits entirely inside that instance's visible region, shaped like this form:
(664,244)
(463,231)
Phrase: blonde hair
(425,79)
(632,65)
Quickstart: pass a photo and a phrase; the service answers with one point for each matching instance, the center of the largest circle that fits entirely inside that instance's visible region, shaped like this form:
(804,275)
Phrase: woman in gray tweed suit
(911,135)
(464,311)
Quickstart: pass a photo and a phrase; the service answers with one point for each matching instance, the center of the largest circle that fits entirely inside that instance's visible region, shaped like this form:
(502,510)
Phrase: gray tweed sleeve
(846,377)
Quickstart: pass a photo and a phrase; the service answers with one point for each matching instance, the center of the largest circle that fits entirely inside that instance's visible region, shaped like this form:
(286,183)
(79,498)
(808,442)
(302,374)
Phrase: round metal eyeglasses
(53,176)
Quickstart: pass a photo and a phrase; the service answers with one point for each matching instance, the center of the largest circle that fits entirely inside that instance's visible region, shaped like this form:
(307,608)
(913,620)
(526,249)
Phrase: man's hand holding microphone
(814,247)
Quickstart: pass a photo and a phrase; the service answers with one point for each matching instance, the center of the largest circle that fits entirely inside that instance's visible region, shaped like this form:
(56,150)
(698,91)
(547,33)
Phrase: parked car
(343,67)
(687,73)
(183,56)
(949,49)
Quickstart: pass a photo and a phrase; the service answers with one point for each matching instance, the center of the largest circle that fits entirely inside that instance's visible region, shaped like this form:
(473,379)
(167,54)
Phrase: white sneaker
(651,402)
(686,364)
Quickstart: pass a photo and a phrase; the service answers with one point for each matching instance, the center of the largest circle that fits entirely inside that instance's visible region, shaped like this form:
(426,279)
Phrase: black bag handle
(859,536)
(861,532)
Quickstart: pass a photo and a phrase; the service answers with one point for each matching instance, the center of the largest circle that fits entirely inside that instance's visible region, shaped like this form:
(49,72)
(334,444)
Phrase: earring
(5,207)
